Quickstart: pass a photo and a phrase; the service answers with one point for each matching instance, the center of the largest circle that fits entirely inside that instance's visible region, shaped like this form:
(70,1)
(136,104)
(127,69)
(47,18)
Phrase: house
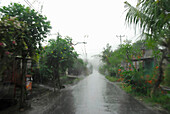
(145,62)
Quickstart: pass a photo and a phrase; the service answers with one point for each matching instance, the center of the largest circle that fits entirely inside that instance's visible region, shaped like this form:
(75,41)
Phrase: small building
(146,62)
(10,82)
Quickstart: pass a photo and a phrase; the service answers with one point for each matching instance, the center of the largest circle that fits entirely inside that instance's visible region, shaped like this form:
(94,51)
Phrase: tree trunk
(58,78)
(54,77)
(23,89)
(159,80)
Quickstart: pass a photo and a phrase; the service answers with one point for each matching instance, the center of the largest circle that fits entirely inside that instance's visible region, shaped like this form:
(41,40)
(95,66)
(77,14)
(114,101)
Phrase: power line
(27,3)
(30,5)
(34,1)
(40,4)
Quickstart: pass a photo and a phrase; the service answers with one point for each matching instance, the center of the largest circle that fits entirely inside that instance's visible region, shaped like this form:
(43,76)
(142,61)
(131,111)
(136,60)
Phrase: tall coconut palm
(153,17)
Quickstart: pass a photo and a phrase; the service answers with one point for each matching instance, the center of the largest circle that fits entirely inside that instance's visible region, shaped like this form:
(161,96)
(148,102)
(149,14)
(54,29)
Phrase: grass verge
(112,79)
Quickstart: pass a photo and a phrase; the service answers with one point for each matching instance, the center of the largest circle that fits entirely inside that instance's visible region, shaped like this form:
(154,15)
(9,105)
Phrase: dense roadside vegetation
(143,67)
(22,31)
(57,60)
(136,80)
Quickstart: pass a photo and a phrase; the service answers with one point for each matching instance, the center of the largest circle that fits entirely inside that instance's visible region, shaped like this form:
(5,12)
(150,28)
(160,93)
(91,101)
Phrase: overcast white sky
(101,20)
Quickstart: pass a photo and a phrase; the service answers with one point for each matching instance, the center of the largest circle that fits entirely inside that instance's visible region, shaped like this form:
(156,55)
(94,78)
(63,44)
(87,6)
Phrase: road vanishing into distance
(96,95)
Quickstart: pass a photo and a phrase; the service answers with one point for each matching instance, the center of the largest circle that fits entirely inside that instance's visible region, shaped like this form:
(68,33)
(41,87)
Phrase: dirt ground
(40,99)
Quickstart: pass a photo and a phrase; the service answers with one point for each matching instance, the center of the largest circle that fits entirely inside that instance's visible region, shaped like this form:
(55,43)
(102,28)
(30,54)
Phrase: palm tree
(153,18)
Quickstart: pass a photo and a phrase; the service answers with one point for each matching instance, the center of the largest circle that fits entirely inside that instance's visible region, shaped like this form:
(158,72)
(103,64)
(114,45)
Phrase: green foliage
(167,75)
(58,55)
(157,11)
(126,50)
(60,52)
(127,88)
(138,80)
(78,67)
(102,69)
(33,25)
(115,59)
(112,78)
(10,29)
(161,99)
(112,59)
(106,54)
(153,18)
(22,29)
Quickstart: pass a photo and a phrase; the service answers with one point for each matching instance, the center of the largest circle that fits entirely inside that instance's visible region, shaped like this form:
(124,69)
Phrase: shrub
(167,75)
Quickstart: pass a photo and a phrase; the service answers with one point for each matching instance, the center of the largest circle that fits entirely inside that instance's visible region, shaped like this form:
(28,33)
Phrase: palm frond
(137,17)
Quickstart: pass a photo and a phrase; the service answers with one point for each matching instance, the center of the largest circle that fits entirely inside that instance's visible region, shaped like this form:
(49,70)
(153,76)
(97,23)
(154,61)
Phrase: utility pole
(120,38)
(86,36)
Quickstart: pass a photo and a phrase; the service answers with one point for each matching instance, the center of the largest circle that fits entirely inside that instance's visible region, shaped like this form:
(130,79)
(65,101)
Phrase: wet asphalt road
(96,95)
